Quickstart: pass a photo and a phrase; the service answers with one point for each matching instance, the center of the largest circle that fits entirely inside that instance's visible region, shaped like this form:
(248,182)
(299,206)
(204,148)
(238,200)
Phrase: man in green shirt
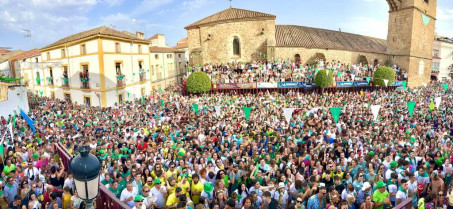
(115,190)
(107,180)
(381,197)
(9,168)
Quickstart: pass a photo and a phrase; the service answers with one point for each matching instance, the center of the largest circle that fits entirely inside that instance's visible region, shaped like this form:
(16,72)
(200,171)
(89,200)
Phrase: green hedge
(198,82)
(384,73)
(322,79)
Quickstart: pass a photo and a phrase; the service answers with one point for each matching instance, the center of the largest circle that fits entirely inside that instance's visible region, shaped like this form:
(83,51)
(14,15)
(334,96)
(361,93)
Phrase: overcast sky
(51,20)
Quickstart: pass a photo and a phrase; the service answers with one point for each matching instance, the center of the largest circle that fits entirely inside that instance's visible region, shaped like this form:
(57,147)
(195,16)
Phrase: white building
(6,66)
(442,67)
(12,98)
(28,66)
(96,67)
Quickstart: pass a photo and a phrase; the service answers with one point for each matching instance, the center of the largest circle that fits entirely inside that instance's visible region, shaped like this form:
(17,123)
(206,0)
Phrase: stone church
(243,35)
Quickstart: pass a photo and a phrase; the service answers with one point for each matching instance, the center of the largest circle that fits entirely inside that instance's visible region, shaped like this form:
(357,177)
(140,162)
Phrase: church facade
(238,35)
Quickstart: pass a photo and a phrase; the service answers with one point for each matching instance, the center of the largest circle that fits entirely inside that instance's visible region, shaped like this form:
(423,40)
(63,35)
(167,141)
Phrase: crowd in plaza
(161,152)
(280,70)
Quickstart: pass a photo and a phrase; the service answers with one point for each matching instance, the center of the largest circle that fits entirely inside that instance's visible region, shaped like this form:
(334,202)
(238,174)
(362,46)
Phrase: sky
(51,20)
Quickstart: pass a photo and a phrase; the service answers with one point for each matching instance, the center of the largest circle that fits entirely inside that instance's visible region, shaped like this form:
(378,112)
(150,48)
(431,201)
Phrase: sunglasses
(146,191)
(299,201)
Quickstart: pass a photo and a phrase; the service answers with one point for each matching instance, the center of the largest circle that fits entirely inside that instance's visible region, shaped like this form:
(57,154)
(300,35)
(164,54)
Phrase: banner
(375,110)
(28,119)
(266,85)
(247,112)
(246,85)
(345,83)
(217,109)
(410,107)
(438,100)
(445,86)
(360,83)
(425,19)
(397,83)
(288,113)
(225,86)
(386,82)
(335,111)
(288,84)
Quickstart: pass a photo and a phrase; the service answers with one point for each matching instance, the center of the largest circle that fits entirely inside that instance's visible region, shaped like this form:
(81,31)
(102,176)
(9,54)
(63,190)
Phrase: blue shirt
(11,191)
(313,202)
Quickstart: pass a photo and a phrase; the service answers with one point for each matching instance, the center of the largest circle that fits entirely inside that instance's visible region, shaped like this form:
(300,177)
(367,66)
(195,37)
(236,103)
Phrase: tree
(323,78)
(198,82)
(383,73)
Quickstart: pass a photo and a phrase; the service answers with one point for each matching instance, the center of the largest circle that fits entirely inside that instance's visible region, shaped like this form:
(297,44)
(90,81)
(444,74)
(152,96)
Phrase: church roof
(307,37)
(231,14)
(102,30)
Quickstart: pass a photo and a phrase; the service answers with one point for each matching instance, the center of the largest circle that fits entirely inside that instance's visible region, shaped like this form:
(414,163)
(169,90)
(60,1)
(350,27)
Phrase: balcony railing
(106,199)
(85,83)
(434,71)
(65,82)
(142,77)
(406,204)
(120,80)
(50,80)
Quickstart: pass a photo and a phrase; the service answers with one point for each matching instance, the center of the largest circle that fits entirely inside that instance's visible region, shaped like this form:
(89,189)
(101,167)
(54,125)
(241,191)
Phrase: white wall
(5,69)
(17,96)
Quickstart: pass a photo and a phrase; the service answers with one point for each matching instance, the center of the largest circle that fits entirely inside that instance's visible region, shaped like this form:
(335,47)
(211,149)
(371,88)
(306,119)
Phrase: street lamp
(85,169)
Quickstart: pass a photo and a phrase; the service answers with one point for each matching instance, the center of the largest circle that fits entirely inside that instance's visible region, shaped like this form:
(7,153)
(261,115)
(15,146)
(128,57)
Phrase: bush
(384,73)
(198,82)
(322,79)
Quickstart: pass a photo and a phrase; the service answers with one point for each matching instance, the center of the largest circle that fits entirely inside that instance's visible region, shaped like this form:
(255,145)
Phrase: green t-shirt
(380,197)
(104,182)
(7,169)
(116,192)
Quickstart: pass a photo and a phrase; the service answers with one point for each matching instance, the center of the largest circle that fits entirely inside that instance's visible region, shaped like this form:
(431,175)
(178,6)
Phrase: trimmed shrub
(384,73)
(198,82)
(322,79)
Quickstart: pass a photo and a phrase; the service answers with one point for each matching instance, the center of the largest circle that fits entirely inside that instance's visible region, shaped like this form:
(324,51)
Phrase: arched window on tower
(236,47)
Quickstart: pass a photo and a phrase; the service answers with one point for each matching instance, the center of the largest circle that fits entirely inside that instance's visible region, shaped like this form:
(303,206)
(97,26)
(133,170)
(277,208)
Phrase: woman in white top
(34,202)
(75,201)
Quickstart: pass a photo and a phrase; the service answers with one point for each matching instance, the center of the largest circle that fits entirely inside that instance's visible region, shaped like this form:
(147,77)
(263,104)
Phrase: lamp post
(85,169)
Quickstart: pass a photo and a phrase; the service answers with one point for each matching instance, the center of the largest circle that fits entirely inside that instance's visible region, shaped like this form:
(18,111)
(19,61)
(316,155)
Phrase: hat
(138,198)
(380,184)
(393,164)
(371,153)
(157,181)
(281,185)
(322,185)
(35,155)
(208,187)
(366,186)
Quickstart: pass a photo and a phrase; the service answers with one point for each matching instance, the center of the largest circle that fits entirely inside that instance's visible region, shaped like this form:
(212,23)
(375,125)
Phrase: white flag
(438,100)
(327,71)
(386,81)
(425,85)
(11,129)
(375,110)
(217,109)
(288,113)
(177,105)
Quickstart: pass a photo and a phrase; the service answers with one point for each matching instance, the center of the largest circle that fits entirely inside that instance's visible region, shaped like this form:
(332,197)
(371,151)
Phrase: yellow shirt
(66,201)
(197,188)
(185,188)
(170,173)
(172,199)
(172,189)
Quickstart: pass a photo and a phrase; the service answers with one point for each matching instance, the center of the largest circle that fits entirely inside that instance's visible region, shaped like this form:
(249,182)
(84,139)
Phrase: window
(139,49)
(63,53)
(236,47)
(118,68)
(426,1)
(52,95)
(140,64)
(67,97)
(169,56)
(435,53)
(48,56)
(435,66)
(179,55)
(156,56)
(117,48)
(36,59)
(82,49)
(120,98)
(421,67)
(87,101)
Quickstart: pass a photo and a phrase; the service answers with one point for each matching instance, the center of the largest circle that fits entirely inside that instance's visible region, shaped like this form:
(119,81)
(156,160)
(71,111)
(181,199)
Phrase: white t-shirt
(125,194)
(401,195)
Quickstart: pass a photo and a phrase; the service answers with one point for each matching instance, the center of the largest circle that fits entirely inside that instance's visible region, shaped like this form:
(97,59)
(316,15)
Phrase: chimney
(140,35)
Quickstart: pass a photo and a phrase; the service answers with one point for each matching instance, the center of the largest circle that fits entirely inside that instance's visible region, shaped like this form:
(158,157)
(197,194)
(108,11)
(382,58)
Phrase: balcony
(50,81)
(120,81)
(142,75)
(65,82)
(85,83)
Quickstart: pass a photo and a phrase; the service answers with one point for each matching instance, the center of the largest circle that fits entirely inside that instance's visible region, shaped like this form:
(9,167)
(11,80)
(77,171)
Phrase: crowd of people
(279,70)
(163,153)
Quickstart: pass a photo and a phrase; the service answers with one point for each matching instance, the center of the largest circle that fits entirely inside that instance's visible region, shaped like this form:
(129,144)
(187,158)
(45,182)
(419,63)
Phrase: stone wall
(254,37)
(349,57)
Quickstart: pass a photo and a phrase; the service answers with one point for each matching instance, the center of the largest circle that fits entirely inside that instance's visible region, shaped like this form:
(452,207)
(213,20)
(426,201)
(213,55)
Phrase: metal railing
(105,199)
(85,85)
(142,77)
(65,84)
(120,81)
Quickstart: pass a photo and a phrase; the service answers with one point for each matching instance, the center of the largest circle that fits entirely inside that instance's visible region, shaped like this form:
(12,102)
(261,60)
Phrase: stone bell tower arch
(411,36)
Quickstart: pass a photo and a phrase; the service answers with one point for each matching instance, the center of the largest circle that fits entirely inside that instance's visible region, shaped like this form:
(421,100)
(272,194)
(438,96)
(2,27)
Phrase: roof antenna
(339,29)
(230,4)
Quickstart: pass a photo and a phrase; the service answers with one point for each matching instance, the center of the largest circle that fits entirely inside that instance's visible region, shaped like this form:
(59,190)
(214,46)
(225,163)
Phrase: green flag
(404,83)
(410,107)
(195,107)
(1,151)
(143,99)
(162,102)
(339,74)
(247,112)
(431,106)
(368,79)
(335,111)
(445,86)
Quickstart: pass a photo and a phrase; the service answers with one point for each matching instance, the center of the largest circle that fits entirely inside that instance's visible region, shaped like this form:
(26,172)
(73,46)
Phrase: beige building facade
(237,35)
